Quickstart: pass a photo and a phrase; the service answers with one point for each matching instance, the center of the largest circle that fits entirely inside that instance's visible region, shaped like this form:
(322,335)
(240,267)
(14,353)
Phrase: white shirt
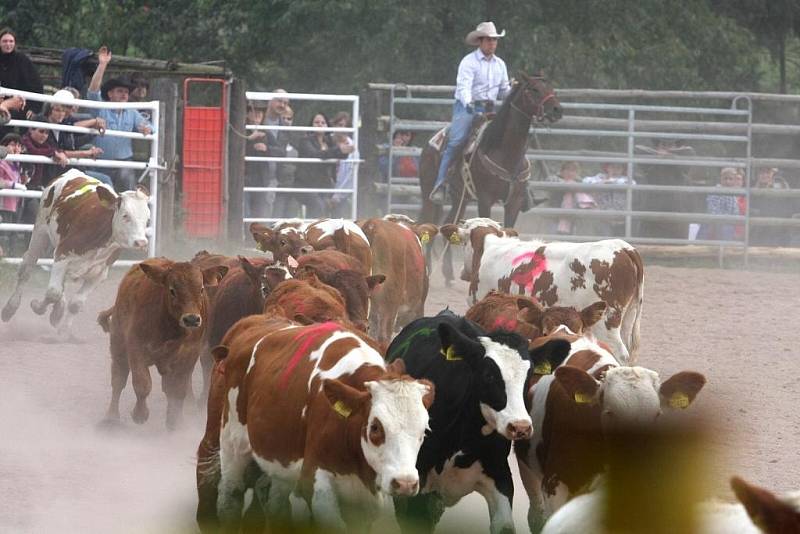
(481,78)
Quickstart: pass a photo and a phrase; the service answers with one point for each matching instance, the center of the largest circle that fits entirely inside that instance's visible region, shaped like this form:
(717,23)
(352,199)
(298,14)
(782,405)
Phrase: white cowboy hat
(484,29)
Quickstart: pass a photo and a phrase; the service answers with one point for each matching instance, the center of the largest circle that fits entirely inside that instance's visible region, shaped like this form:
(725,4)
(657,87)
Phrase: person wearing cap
(130,120)
(482,79)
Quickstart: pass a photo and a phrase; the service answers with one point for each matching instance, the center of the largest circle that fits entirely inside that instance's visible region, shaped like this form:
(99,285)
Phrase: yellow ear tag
(679,400)
(582,398)
(424,238)
(455,238)
(543,368)
(450,354)
(342,409)
(259,246)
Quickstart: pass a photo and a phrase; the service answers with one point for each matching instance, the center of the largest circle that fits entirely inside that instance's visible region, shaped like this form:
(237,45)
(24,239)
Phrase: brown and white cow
(88,224)
(396,252)
(282,242)
(342,235)
(319,412)
(560,274)
(589,394)
(425,231)
(159,318)
(525,316)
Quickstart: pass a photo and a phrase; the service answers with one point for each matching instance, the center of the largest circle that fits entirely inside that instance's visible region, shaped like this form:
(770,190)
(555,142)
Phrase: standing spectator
(612,173)
(128,120)
(724,204)
(10,178)
(284,203)
(73,144)
(402,166)
(770,206)
(340,203)
(276,141)
(254,171)
(139,93)
(569,173)
(317,175)
(17,71)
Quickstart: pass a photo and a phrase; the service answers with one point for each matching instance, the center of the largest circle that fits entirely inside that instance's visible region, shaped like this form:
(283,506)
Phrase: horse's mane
(494,132)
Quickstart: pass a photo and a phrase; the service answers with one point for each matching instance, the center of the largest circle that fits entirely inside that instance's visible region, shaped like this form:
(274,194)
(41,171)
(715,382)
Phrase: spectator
(285,203)
(17,71)
(73,144)
(128,120)
(276,141)
(139,93)
(569,173)
(8,107)
(317,144)
(254,171)
(612,173)
(10,178)
(724,204)
(770,206)
(402,166)
(37,142)
(339,203)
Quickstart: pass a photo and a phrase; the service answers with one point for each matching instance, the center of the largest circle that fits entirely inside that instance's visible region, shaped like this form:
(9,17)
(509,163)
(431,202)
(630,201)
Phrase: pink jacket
(9,175)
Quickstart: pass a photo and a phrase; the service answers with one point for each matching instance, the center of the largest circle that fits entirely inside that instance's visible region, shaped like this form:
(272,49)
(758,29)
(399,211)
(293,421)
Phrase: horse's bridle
(538,111)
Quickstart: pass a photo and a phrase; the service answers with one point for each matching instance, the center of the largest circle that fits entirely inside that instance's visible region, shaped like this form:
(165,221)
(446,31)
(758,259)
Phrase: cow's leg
(175,383)
(277,506)
(484,206)
(498,490)
(206,366)
(142,385)
(234,457)
(119,378)
(325,503)
(36,249)
(532,482)
(54,293)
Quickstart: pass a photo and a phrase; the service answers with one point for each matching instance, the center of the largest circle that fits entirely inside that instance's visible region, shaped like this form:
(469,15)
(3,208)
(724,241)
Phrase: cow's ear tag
(342,409)
(679,400)
(450,354)
(582,398)
(455,238)
(259,246)
(543,368)
(425,237)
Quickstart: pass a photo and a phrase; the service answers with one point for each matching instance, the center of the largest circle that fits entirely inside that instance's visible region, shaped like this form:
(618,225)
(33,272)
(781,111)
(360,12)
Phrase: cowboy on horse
(482,79)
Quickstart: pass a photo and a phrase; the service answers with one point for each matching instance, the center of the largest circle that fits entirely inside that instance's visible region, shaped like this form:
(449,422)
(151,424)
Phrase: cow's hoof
(57,313)
(11,307)
(140,414)
(75,307)
(109,423)
(39,307)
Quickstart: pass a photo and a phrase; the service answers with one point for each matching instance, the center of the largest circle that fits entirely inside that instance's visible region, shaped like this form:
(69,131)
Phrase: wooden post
(166,91)
(236,145)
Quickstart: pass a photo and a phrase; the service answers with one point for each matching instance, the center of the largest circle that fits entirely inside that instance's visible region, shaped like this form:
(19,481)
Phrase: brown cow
(239,294)
(158,318)
(525,316)
(396,251)
(318,411)
(281,243)
(342,235)
(344,273)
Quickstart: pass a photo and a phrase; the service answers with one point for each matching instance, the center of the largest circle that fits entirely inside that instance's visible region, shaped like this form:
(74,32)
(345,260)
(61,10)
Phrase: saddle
(439,141)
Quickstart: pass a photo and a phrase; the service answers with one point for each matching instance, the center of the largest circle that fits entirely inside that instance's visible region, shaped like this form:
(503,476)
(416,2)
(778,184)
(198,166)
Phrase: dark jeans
(123,179)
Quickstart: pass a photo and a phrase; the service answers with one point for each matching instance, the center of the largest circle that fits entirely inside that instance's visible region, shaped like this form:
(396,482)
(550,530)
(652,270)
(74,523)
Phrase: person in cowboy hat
(482,79)
(129,120)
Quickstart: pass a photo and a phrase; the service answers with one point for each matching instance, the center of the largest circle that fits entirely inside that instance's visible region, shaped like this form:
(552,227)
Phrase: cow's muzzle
(519,430)
(405,486)
(191,320)
(140,243)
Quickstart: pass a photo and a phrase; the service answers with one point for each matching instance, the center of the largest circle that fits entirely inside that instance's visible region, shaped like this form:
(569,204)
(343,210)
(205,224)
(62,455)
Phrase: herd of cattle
(318,408)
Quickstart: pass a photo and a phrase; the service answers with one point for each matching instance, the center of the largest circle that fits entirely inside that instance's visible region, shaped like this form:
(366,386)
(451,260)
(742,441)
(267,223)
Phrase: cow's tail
(633,315)
(104,319)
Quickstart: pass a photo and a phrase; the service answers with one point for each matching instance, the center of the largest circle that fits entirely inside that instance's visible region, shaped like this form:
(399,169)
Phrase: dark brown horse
(499,168)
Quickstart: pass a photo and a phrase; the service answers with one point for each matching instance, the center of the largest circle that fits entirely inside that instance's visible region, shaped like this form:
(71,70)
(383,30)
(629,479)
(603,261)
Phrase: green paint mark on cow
(402,348)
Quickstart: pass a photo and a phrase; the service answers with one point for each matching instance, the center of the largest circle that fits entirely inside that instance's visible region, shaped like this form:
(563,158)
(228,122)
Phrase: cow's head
(184,286)
(308,301)
(770,513)
(500,367)
(547,320)
(630,395)
(393,416)
(471,234)
(131,216)
(354,287)
(288,241)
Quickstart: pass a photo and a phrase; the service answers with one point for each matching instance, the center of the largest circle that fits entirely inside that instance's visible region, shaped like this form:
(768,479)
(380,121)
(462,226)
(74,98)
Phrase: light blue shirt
(126,120)
(481,78)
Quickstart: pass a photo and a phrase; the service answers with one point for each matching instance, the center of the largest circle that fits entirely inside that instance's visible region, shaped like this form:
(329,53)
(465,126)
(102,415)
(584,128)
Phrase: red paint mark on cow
(504,323)
(525,278)
(311,335)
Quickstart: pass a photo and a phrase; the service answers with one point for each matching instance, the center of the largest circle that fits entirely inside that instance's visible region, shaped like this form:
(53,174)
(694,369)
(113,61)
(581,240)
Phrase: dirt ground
(60,472)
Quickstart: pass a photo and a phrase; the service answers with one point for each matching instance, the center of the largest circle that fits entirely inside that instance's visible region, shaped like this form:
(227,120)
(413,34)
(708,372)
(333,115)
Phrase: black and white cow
(479,409)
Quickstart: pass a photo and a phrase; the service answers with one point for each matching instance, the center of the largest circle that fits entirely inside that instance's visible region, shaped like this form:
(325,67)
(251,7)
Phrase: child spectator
(339,203)
(569,173)
(10,178)
(721,204)
(612,173)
